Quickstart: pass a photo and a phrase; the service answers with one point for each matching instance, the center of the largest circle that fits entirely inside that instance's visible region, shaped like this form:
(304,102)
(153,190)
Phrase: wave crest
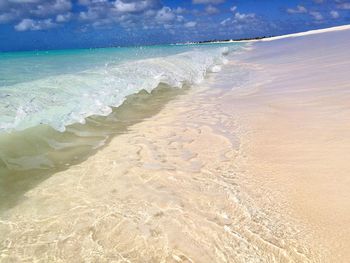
(66,99)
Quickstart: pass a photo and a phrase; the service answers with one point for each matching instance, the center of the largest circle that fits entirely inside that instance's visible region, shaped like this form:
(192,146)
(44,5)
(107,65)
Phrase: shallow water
(58,107)
(59,88)
(28,157)
(174,188)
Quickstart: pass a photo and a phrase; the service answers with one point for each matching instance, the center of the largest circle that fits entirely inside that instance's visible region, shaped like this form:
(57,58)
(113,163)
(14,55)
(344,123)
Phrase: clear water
(59,107)
(63,87)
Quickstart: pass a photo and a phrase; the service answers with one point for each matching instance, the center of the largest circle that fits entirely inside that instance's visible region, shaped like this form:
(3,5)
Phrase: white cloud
(233,8)
(238,17)
(34,25)
(334,14)
(190,24)
(48,8)
(34,14)
(298,10)
(240,21)
(92,12)
(89,15)
(133,6)
(24,1)
(225,21)
(213,2)
(180,18)
(180,10)
(345,6)
(125,7)
(6,17)
(211,9)
(84,2)
(165,15)
(129,13)
(316,15)
(61,18)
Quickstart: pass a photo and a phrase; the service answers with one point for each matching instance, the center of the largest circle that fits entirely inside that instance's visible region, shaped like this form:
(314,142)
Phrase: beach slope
(299,125)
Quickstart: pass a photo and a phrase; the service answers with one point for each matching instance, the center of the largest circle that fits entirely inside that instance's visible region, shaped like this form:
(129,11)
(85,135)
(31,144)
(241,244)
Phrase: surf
(64,99)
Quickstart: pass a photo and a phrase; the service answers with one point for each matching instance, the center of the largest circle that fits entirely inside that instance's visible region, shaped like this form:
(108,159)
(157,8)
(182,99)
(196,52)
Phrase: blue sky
(58,24)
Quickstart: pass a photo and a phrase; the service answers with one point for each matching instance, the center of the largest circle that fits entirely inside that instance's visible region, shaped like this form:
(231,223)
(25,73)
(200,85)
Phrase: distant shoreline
(268,38)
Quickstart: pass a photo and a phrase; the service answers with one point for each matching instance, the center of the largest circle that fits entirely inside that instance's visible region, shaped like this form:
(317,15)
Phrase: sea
(59,106)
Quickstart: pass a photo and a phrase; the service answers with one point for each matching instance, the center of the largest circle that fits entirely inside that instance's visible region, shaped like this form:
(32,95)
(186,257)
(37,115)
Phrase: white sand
(308,33)
(253,169)
(300,125)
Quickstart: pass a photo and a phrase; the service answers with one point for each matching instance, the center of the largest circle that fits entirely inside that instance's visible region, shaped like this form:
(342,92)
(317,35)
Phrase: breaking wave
(62,100)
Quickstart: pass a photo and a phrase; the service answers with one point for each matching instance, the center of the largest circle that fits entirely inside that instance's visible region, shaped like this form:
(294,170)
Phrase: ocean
(59,106)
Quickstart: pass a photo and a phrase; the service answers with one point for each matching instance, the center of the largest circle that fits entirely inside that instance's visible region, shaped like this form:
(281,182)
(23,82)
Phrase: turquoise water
(59,107)
(18,67)
(63,87)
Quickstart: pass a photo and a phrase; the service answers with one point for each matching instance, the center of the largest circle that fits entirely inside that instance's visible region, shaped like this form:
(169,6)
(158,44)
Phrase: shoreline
(299,34)
(62,150)
(169,188)
(250,165)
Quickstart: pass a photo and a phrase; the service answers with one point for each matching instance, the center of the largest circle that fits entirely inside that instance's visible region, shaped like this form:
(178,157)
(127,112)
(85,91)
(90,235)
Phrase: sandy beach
(223,172)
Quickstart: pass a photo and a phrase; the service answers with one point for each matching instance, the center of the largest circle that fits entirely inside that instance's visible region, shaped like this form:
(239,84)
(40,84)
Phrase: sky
(63,24)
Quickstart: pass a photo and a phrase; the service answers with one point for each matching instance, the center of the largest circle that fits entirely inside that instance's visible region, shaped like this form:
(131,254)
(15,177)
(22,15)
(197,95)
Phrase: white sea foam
(61,100)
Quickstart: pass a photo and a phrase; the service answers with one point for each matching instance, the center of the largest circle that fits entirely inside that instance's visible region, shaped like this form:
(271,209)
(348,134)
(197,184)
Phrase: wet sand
(299,125)
(251,166)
